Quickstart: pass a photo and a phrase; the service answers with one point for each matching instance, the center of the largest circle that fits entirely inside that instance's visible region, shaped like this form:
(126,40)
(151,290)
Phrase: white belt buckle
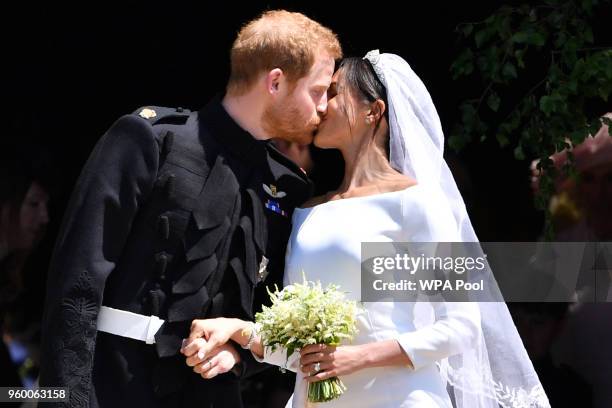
(154,325)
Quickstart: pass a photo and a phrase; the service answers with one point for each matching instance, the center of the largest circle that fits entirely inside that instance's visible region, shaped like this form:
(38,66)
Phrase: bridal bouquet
(306,313)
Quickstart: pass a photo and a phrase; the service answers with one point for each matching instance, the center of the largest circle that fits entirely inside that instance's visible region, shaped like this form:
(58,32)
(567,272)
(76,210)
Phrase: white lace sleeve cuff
(279,358)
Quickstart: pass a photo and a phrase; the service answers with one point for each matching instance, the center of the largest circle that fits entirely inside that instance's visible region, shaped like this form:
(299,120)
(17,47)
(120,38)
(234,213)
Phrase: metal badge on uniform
(263,269)
(147,113)
(274,205)
(273,191)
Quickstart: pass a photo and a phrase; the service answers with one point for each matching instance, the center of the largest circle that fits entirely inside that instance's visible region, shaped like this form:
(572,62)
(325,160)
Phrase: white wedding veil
(497,371)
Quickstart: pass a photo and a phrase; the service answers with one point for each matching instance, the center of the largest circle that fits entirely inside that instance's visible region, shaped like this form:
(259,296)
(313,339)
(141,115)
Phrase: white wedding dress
(326,245)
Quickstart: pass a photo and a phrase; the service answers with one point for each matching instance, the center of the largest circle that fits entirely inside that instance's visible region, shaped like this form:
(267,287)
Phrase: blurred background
(71,71)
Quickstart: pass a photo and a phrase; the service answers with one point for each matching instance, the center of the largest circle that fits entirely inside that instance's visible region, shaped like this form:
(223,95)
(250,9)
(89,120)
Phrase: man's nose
(322,106)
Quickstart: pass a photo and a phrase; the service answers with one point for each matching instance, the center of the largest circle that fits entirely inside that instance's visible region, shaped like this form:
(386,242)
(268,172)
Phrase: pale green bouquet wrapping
(306,313)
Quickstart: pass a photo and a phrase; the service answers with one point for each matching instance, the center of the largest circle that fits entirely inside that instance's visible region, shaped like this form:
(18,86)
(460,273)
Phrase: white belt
(128,324)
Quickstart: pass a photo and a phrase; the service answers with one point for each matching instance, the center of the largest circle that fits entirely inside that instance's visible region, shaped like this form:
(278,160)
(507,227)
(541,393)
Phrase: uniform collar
(228,133)
(243,145)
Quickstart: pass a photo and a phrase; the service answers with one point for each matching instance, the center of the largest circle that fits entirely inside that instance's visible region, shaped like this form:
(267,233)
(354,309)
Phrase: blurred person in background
(24,217)
(582,208)
(581,211)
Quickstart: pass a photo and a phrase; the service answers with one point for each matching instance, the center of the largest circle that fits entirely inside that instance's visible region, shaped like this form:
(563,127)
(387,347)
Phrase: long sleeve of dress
(455,326)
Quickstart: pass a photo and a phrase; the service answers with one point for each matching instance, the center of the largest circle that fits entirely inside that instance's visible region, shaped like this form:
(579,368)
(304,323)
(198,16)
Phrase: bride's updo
(359,77)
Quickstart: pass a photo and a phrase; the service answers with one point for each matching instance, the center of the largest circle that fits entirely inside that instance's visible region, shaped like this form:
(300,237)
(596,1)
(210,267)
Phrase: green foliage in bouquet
(304,314)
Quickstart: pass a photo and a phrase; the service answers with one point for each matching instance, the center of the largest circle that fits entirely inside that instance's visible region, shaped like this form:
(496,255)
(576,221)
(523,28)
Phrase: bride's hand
(219,361)
(333,361)
(215,333)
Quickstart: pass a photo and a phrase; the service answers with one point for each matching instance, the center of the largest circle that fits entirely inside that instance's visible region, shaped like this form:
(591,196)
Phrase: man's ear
(377,110)
(273,79)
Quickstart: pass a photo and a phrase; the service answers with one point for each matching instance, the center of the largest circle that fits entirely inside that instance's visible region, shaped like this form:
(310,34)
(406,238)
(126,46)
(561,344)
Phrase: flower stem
(325,390)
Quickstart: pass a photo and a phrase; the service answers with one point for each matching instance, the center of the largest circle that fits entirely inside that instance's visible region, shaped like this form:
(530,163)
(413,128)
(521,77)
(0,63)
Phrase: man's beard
(284,121)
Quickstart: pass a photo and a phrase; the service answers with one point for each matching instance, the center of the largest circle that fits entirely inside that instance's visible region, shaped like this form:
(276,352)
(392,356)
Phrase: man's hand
(219,361)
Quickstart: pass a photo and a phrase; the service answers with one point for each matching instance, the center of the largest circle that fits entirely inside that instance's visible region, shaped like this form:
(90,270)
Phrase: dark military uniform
(175,215)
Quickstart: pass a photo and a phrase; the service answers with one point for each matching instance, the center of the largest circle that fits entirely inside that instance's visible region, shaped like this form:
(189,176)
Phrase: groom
(179,215)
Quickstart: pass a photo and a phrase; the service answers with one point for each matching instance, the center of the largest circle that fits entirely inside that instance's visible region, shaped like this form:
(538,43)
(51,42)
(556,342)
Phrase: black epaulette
(157,115)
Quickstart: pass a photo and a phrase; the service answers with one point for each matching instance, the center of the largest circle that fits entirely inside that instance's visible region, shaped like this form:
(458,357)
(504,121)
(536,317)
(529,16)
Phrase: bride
(396,187)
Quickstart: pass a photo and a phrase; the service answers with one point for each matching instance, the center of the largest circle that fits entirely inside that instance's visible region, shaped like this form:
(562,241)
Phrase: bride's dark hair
(359,76)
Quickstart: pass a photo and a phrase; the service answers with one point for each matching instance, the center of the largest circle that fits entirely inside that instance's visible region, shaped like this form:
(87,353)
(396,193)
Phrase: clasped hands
(209,351)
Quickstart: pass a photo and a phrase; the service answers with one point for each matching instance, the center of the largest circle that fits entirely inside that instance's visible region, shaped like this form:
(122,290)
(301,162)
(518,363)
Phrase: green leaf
(594,126)
(467,113)
(509,70)
(467,29)
(578,136)
(519,154)
(520,38)
(463,64)
(537,39)
(502,139)
(493,101)
(518,54)
(484,64)
(481,36)
(546,104)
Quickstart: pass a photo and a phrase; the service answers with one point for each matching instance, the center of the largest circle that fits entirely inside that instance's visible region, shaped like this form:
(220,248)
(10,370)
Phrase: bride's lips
(317,128)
